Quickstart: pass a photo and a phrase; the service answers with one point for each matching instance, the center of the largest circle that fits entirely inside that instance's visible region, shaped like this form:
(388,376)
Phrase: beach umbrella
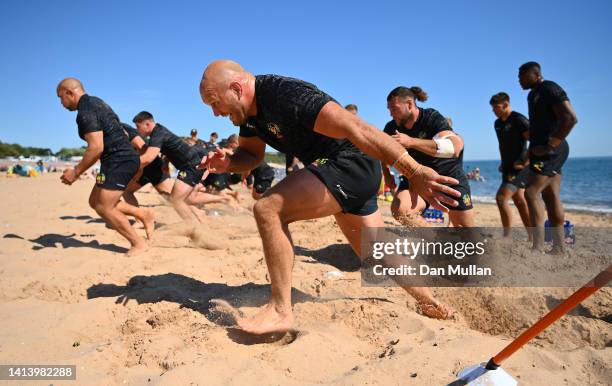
(491,374)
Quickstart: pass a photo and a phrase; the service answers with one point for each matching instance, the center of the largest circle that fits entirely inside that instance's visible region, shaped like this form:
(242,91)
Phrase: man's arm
(336,122)
(429,146)
(95,147)
(139,144)
(249,154)
(567,120)
(149,155)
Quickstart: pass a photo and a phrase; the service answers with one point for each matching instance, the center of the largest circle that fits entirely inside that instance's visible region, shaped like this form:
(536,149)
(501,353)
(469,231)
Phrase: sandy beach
(70,296)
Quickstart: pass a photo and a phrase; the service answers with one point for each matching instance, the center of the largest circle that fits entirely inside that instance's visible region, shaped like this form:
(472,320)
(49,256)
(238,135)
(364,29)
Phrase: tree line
(16,150)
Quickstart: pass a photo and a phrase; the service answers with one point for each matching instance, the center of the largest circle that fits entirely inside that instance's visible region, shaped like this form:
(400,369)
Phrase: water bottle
(570,236)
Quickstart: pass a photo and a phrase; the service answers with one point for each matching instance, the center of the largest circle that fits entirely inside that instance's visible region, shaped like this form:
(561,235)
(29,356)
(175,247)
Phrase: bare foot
(435,310)
(149,224)
(137,249)
(269,319)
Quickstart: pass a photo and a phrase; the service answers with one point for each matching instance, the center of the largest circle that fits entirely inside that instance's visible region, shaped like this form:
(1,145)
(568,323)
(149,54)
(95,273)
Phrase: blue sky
(149,55)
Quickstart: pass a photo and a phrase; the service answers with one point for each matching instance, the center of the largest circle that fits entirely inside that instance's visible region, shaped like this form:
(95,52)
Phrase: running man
(551,118)
(352,108)
(260,179)
(106,141)
(183,157)
(341,179)
(153,173)
(512,129)
(430,140)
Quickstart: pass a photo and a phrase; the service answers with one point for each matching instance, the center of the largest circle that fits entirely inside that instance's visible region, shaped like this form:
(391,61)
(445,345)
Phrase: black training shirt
(429,123)
(287,109)
(542,119)
(131,132)
(512,144)
(263,172)
(95,115)
(173,147)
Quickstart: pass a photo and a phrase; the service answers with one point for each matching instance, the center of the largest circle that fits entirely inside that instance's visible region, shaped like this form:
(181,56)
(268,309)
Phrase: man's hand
(519,165)
(69,176)
(430,185)
(402,139)
(216,162)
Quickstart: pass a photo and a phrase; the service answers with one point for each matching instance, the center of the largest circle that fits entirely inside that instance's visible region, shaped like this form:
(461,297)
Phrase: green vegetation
(275,157)
(16,150)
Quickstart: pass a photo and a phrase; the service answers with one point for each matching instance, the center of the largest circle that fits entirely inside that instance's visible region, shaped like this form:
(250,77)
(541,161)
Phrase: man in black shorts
(341,179)
(512,129)
(154,173)
(260,180)
(183,157)
(428,137)
(551,118)
(106,141)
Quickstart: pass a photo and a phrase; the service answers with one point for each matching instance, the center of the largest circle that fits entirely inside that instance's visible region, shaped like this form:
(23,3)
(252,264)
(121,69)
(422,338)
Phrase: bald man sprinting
(99,126)
(342,178)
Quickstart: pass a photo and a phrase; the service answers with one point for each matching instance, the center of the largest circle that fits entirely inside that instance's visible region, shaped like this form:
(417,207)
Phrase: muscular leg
(300,196)
(407,212)
(554,208)
(503,195)
(537,183)
(128,193)
(178,196)
(352,226)
(462,218)
(523,209)
(104,202)
(164,188)
(145,216)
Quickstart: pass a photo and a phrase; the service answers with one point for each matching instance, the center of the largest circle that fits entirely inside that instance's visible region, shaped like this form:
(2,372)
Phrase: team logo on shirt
(182,174)
(422,134)
(274,129)
(100,178)
(467,200)
(538,165)
(321,161)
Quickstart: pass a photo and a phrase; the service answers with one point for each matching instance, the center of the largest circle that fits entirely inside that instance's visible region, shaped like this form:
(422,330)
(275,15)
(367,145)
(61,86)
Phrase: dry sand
(70,296)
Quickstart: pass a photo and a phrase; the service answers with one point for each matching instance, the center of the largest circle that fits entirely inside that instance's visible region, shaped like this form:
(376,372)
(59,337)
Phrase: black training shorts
(190,175)
(465,201)
(116,174)
(550,164)
(353,178)
(153,173)
(516,180)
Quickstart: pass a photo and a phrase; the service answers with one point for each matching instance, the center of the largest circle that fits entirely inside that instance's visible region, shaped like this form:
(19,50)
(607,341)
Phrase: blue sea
(586,185)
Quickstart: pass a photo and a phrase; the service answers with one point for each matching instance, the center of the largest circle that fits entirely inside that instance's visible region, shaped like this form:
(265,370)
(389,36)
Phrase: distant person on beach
(153,173)
(193,138)
(182,156)
(340,179)
(212,142)
(106,141)
(352,108)
(551,119)
(260,179)
(512,130)
(430,140)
